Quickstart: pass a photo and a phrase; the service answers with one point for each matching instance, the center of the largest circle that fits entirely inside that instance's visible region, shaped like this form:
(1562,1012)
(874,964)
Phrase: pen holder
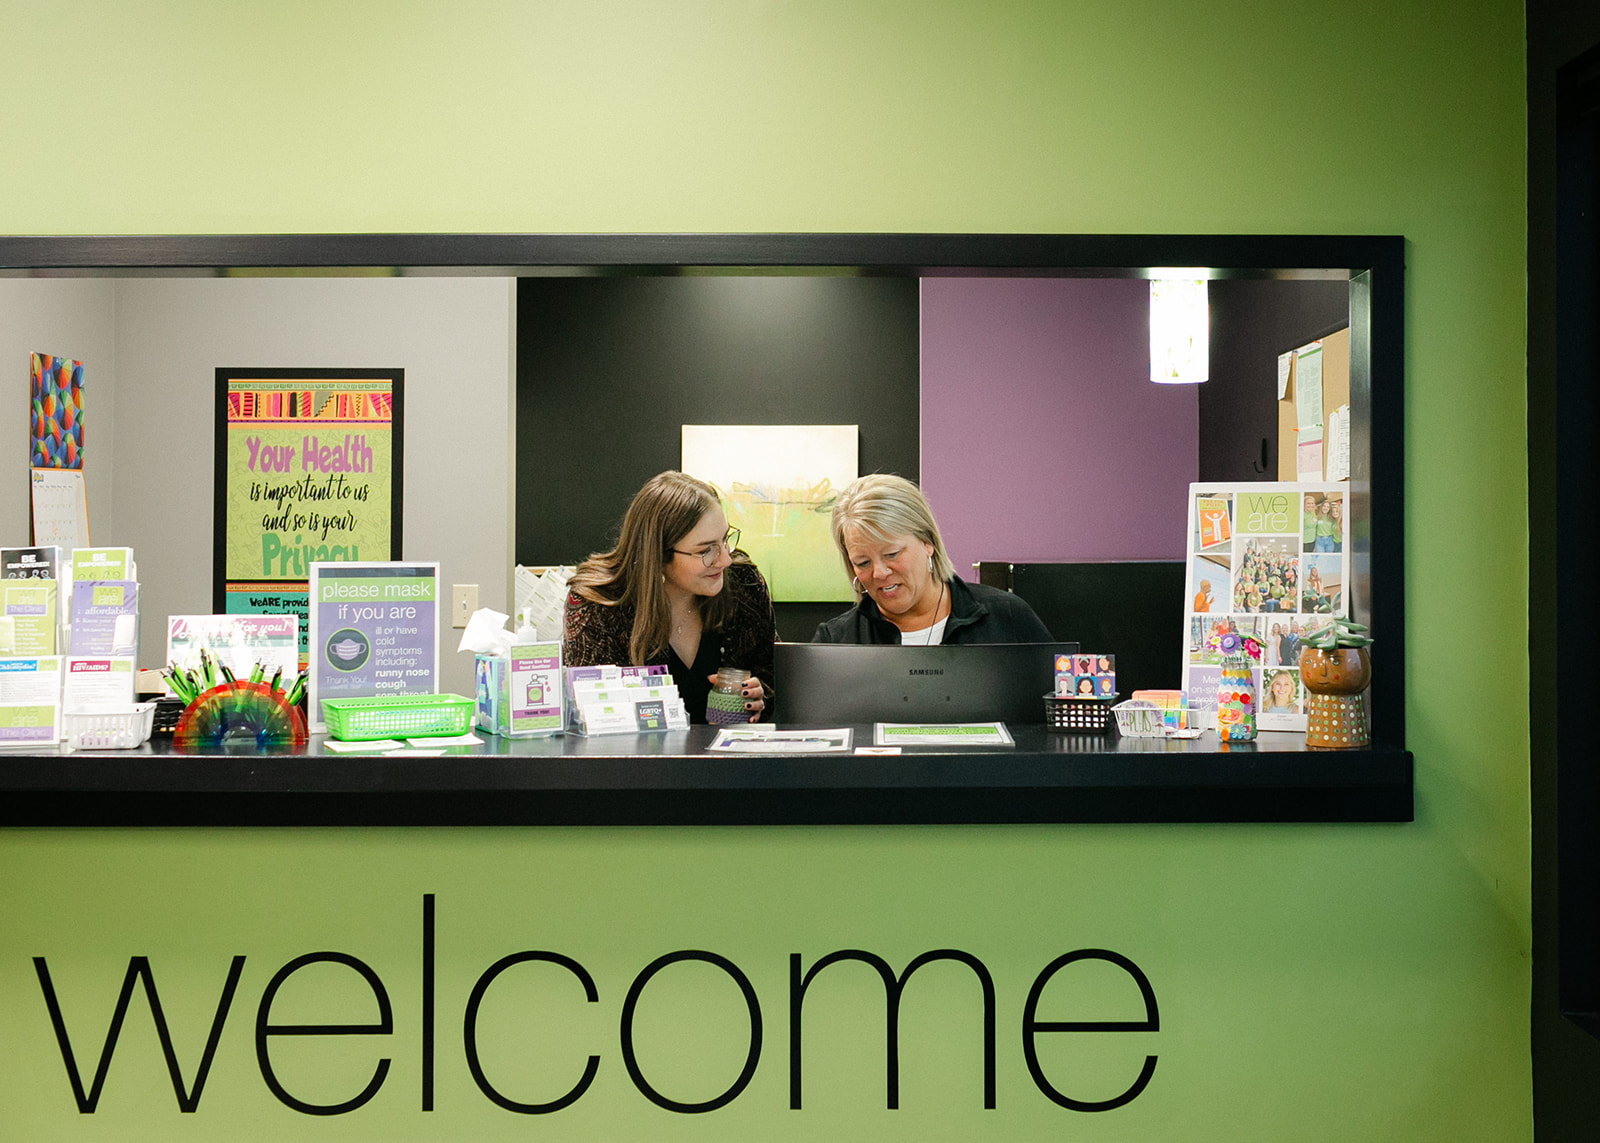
(240,718)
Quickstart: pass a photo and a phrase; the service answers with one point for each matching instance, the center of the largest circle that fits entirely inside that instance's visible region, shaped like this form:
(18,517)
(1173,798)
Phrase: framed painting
(778,484)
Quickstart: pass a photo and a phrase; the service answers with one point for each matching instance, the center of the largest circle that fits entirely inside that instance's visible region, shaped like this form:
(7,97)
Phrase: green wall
(1352,982)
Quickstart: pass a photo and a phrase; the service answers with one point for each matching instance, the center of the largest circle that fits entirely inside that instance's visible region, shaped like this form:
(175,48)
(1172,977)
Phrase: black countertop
(671,779)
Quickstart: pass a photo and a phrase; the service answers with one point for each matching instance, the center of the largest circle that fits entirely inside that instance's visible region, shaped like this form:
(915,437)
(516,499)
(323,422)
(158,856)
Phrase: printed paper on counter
(30,700)
(941,734)
(97,681)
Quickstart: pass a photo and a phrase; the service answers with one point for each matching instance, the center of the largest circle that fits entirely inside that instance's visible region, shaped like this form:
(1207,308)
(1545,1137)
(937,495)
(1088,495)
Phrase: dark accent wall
(1563,142)
(1252,321)
(609,369)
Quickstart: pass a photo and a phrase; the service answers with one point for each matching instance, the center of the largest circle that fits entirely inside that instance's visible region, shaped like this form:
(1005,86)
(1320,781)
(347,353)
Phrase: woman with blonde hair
(1282,693)
(906,589)
(676,589)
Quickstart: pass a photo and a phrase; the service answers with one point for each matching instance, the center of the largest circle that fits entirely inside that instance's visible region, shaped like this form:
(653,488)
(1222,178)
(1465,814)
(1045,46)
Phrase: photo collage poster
(1268,561)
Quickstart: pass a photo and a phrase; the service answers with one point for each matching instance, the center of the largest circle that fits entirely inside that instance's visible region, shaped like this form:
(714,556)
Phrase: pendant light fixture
(1180,324)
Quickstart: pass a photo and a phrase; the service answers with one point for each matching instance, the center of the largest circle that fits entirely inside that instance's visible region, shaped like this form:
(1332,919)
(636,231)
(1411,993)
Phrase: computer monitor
(842,684)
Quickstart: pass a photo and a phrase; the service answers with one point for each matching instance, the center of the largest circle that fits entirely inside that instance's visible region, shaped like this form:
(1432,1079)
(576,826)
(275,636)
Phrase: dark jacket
(595,633)
(978,614)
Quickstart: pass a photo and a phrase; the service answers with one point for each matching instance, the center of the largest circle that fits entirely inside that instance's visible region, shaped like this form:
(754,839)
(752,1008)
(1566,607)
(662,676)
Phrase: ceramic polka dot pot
(1336,718)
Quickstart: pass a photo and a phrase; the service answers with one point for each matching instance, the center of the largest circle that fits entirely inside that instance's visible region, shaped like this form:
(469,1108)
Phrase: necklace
(934,614)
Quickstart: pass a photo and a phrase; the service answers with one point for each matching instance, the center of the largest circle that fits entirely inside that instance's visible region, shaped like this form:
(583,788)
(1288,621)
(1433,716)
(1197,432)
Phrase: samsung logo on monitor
(927,670)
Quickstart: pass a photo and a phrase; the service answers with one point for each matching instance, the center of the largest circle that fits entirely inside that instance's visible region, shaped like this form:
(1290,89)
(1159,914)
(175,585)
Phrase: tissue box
(519,694)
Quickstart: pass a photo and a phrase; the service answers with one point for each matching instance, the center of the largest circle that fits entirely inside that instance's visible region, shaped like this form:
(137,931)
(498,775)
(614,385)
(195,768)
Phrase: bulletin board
(1335,393)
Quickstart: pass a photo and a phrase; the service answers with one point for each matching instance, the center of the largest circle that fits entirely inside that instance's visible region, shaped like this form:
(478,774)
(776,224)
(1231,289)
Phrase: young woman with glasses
(675,590)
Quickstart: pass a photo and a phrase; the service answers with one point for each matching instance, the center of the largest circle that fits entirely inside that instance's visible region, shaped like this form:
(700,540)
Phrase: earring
(855,582)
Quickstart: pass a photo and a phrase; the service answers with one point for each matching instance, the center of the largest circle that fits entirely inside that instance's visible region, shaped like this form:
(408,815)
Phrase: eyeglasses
(708,554)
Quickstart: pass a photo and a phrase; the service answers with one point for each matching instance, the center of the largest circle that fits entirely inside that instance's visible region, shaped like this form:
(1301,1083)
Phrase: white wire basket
(1137,718)
(117,726)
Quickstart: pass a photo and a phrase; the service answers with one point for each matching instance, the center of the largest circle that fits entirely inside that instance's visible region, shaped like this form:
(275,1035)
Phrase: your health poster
(308,470)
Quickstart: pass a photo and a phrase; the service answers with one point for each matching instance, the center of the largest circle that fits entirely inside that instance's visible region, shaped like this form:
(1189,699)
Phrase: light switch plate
(463,602)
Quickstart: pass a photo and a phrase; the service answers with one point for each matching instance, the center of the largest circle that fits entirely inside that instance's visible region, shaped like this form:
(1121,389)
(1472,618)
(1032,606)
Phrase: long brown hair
(632,574)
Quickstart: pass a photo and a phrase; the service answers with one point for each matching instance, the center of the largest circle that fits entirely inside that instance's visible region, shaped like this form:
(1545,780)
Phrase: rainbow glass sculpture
(240,718)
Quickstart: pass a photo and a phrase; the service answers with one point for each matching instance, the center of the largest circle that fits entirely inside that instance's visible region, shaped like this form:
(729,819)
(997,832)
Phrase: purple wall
(1043,438)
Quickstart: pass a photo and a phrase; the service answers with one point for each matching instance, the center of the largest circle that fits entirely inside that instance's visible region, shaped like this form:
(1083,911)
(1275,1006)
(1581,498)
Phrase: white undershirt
(927,637)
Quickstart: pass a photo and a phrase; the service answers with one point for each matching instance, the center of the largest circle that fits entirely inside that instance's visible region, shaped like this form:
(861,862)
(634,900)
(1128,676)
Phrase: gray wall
(68,317)
(451,336)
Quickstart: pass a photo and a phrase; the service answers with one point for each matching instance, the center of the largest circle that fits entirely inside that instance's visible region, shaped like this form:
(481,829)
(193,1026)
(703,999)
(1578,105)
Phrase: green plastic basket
(397,716)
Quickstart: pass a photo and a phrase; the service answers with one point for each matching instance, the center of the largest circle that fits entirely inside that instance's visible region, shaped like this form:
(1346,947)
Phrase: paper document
(30,700)
(1336,446)
(1308,453)
(60,508)
(770,740)
(941,734)
(1308,386)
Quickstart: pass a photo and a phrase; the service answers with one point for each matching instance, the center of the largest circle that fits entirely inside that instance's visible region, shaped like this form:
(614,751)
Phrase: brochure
(105,617)
(30,563)
(607,678)
(32,606)
(759,739)
(631,716)
(30,701)
(91,681)
(103,563)
(941,734)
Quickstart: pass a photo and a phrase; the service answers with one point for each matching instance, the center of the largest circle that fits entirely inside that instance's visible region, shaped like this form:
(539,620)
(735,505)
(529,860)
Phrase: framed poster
(308,468)
(1270,561)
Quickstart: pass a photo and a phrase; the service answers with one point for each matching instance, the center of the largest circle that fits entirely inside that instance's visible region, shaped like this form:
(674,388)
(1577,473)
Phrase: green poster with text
(309,470)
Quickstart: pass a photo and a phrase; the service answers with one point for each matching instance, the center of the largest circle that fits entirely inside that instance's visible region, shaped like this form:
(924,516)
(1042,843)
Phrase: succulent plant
(1340,632)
